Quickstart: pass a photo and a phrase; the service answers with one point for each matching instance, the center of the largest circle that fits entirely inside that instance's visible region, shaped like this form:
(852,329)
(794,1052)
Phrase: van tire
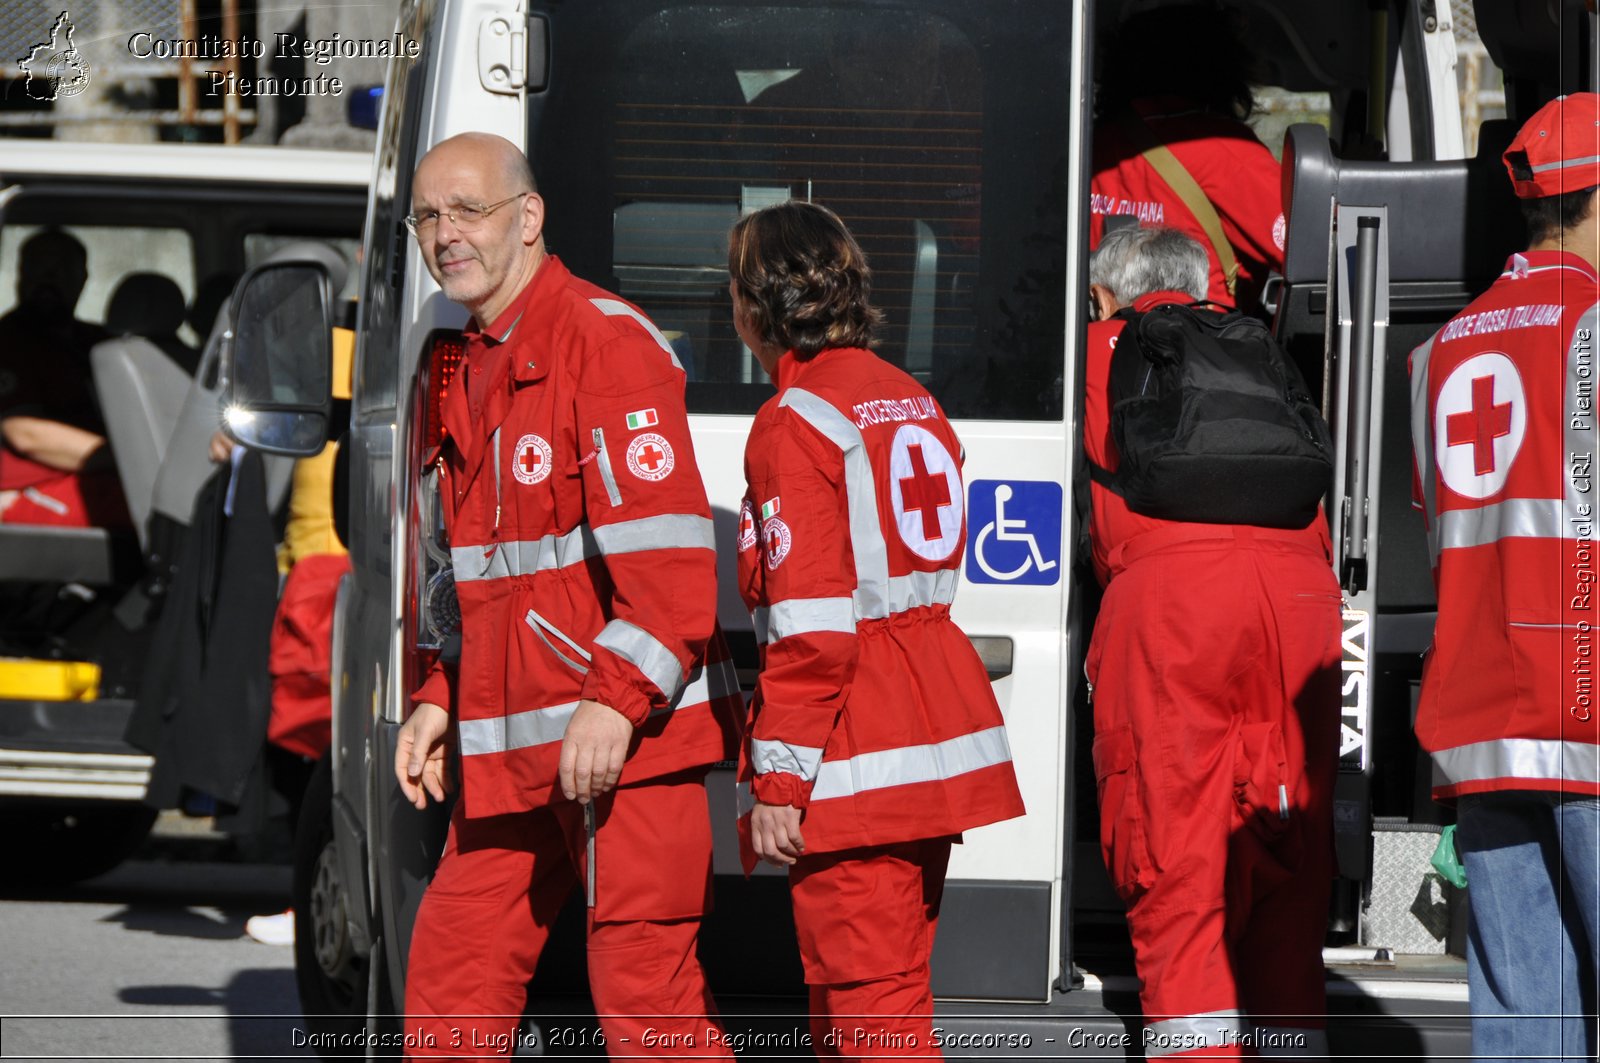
(58,845)
(332,975)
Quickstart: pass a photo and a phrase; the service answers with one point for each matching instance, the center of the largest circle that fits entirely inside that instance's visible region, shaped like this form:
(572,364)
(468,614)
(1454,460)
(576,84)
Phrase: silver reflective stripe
(1518,758)
(671,531)
(935,762)
(520,730)
(607,477)
(866,534)
(706,681)
(496,442)
(1289,1042)
(780,756)
(1515,518)
(1422,441)
(805,616)
(616,308)
(761,621)
(522,557)
(538,727)
(1587,160)
(1214,1029)
(642,650)
(922,589)
(544,629)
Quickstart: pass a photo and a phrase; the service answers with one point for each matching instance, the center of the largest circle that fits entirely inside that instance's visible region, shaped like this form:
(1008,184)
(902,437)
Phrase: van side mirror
(277,367)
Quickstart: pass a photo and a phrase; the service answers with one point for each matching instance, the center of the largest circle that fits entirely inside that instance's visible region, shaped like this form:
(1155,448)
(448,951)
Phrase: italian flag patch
(643,419)
(769,509)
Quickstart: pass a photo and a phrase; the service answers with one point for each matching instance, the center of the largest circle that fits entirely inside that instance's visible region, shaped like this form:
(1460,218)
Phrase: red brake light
(444,356)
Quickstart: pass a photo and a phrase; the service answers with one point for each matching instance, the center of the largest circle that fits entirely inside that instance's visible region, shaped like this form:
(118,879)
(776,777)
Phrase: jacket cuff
(781,788)
(617,691)
(439,688)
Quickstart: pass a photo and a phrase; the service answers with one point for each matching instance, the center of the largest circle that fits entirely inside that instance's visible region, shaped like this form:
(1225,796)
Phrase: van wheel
(332,975)
(58,845)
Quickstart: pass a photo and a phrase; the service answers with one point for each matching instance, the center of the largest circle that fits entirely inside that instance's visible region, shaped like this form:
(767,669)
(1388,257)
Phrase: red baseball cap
(1558,151)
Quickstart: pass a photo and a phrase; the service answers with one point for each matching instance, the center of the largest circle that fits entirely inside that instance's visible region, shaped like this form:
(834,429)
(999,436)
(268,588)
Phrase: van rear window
(114,252)
(934,130)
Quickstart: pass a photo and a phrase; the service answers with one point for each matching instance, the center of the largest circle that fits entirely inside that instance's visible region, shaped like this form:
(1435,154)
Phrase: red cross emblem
(1481,425)
(775,534)
(747,526)
(530,461)
(650,457)
(925,493)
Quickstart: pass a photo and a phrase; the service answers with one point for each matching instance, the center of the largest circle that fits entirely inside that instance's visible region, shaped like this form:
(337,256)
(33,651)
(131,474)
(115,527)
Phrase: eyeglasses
(466,218)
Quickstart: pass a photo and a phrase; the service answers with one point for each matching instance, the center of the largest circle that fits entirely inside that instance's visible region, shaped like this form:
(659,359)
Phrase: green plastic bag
(1447,861)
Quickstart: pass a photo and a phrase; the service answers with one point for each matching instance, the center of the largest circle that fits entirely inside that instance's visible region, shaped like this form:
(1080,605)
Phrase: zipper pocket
(544,629)
(606,476)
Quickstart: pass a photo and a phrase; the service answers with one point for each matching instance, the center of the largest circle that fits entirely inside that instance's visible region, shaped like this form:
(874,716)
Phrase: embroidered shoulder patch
(531,459)
(775,533)
(747,526)
(650,457)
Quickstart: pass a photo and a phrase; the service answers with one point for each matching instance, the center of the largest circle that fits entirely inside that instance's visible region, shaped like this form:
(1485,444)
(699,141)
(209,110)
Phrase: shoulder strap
(1166,164)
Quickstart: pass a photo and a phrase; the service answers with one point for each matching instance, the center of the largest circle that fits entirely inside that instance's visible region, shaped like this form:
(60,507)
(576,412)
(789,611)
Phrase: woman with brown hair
(874,739)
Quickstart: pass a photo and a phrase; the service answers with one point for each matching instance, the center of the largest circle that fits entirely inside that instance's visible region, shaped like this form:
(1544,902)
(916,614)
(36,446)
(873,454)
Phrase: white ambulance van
(954,139)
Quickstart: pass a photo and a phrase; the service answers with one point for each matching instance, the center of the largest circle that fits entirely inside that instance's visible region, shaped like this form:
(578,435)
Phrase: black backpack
(1213,423)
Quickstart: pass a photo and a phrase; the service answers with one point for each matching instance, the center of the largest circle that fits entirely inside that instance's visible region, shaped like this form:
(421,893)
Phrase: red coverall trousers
(866,920)
(503,880)
(1215,671)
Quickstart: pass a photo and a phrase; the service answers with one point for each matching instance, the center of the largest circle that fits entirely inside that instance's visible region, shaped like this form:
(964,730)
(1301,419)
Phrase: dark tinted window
(937,131)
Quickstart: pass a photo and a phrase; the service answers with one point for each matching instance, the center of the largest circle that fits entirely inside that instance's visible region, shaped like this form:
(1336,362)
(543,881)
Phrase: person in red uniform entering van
(593,692)
(1171,147)
(1214,670)
(874,738)
(1503,428)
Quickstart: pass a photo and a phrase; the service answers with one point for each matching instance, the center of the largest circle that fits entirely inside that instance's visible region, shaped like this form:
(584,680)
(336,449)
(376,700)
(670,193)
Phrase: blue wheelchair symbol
(1014,532)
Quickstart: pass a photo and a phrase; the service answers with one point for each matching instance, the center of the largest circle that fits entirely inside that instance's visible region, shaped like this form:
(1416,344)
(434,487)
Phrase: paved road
(149,961)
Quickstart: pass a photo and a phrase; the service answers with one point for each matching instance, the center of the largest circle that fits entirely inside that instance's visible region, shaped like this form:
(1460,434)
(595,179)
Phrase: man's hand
(775,833)
(419,756)
(593,750)
(220,449)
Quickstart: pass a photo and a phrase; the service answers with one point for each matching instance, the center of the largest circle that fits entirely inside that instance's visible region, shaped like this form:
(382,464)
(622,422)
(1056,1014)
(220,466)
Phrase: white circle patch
(650,457)
(747,525)
(1479,423)
(1280,230)
(925,483)
(775,533)
(531,460)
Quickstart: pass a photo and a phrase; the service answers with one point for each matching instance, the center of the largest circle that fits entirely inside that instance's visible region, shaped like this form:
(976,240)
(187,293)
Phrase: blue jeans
(1533,939)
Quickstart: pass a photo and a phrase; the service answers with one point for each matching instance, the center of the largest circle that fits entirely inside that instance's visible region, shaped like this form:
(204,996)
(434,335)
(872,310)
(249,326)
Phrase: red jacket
(1112,524)
(1234,169)
(582,546)
(1503,429)
(872,710)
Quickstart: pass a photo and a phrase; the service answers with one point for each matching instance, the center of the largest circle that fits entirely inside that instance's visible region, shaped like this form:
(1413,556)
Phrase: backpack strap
(1167,166)
(1103,476)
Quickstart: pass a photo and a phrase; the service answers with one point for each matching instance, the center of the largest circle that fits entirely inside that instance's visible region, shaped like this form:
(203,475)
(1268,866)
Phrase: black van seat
(39,554)
(141,393)
(1451,225)
(1453,220)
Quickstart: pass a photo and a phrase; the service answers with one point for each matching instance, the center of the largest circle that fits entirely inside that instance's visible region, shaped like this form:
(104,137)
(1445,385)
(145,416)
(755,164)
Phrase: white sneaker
(272,929)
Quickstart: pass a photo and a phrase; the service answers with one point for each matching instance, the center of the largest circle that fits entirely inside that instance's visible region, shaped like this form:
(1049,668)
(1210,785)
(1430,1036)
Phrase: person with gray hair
(1133,261)
(1214,676)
